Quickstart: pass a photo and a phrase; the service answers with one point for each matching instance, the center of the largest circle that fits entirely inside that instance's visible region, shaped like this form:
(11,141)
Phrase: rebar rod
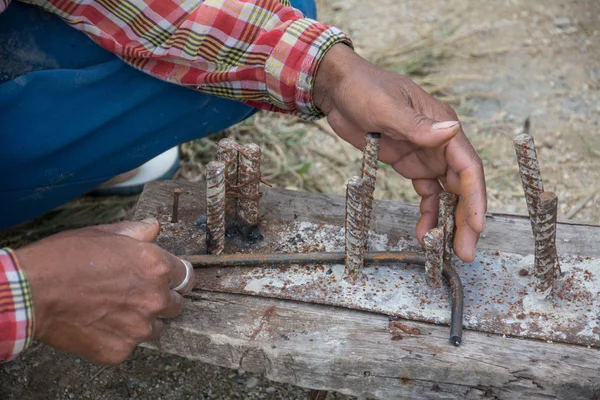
(355,235)
(369,176)
(285,259)
(215,207)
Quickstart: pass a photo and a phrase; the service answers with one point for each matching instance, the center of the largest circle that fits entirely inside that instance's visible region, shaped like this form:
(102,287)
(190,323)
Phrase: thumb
(145,230)
(423,131)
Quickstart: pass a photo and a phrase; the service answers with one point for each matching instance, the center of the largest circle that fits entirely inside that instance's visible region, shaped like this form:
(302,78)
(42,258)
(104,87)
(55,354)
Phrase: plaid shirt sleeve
(16,308)
(262,52)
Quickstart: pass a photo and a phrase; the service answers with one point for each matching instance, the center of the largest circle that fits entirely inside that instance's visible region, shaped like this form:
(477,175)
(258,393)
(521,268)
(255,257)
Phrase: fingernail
(150,221)
(445,125)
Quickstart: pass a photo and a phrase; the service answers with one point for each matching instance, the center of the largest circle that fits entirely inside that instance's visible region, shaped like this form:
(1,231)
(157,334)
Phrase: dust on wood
(353,352)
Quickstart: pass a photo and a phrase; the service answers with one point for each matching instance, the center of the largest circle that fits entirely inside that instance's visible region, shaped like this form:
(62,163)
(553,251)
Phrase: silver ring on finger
(188,273)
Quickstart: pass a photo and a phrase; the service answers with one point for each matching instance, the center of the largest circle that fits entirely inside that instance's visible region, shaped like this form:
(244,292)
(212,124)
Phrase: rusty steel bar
(215,207)
(446,221)
(175,214)
(369,175)
(355,247)
(457,298)
(446,225)
(434,256)
(531,176)
(547,267)
(248,187)
(285,259)
(319,259)
(228,153)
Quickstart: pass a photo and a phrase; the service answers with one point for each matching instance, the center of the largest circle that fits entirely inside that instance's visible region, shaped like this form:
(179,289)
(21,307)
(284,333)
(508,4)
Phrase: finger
(400,154)
(157,328)
(182,277)
(429,190)
(465,238)
(145,230)
(407,123)
(465,162)
(174,306)
(452,182)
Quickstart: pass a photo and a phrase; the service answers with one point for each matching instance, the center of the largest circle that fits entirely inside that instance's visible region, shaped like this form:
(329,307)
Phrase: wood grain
(352,352)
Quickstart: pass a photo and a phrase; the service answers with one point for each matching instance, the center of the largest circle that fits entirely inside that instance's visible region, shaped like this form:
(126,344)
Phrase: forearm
(263,53)
(16,308)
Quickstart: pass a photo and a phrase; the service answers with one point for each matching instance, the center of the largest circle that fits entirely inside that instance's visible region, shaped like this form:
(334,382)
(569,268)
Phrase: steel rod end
(456,340)
(523,138)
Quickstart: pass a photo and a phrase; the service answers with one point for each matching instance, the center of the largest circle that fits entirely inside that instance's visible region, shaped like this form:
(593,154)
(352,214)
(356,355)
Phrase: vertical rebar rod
(446,221)
(355,247)
(228,153)
(249,187)
(369,175)
(215,207)
(434,256)
(547,267)
(175,215)
(531,176)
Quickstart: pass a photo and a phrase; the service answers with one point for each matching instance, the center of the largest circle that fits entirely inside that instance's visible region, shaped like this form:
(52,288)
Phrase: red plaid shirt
(16,308)
(262,52)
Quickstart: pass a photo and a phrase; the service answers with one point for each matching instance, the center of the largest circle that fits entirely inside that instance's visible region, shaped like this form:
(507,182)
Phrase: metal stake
(446,221)
(175,215)
(531,176)
(355,247)
(547,267)
(248,187)
(369,175)
(228,153)
(434,256)
(215,207)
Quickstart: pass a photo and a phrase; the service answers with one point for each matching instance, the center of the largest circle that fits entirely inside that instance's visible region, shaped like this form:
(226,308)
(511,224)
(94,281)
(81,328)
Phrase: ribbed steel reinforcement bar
(215,207)
(355,235)
(369,176)
(531,176)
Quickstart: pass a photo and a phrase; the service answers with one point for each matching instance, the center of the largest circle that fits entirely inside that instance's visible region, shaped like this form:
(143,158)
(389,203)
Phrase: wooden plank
(328,348)
(352,352)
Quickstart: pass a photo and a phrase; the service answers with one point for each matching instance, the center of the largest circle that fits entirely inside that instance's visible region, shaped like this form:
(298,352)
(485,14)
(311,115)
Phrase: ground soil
(512,59)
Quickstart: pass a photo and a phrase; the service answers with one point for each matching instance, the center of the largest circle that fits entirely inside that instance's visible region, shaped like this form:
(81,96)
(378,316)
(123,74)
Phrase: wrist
(29,261)
(16,313)
(332,75)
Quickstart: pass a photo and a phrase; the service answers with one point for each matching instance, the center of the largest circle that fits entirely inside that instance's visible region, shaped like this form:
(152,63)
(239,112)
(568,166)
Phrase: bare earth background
(496,61)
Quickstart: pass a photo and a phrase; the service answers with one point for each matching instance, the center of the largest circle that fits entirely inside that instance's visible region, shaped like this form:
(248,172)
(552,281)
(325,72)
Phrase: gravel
(44,373)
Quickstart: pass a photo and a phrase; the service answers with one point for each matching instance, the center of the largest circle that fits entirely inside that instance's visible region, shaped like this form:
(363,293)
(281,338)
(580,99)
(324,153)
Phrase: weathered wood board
(352,352)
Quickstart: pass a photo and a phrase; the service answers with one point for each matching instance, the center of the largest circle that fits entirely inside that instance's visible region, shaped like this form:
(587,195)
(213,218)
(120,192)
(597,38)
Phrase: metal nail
(249,187)
(355,247)
(434,256)
(215,207)
(369,175)
(228,153)
(546,267)
(446,221)
(175,215)
(531,176)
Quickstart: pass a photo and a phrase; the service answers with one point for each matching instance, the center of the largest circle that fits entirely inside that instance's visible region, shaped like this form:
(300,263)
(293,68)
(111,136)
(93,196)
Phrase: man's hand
(100,291)
(421,138)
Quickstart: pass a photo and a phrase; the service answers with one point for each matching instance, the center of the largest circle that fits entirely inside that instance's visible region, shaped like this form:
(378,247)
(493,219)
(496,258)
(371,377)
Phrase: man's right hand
(100,291)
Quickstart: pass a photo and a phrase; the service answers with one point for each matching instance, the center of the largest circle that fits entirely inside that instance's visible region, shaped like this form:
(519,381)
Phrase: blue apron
(73,115)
